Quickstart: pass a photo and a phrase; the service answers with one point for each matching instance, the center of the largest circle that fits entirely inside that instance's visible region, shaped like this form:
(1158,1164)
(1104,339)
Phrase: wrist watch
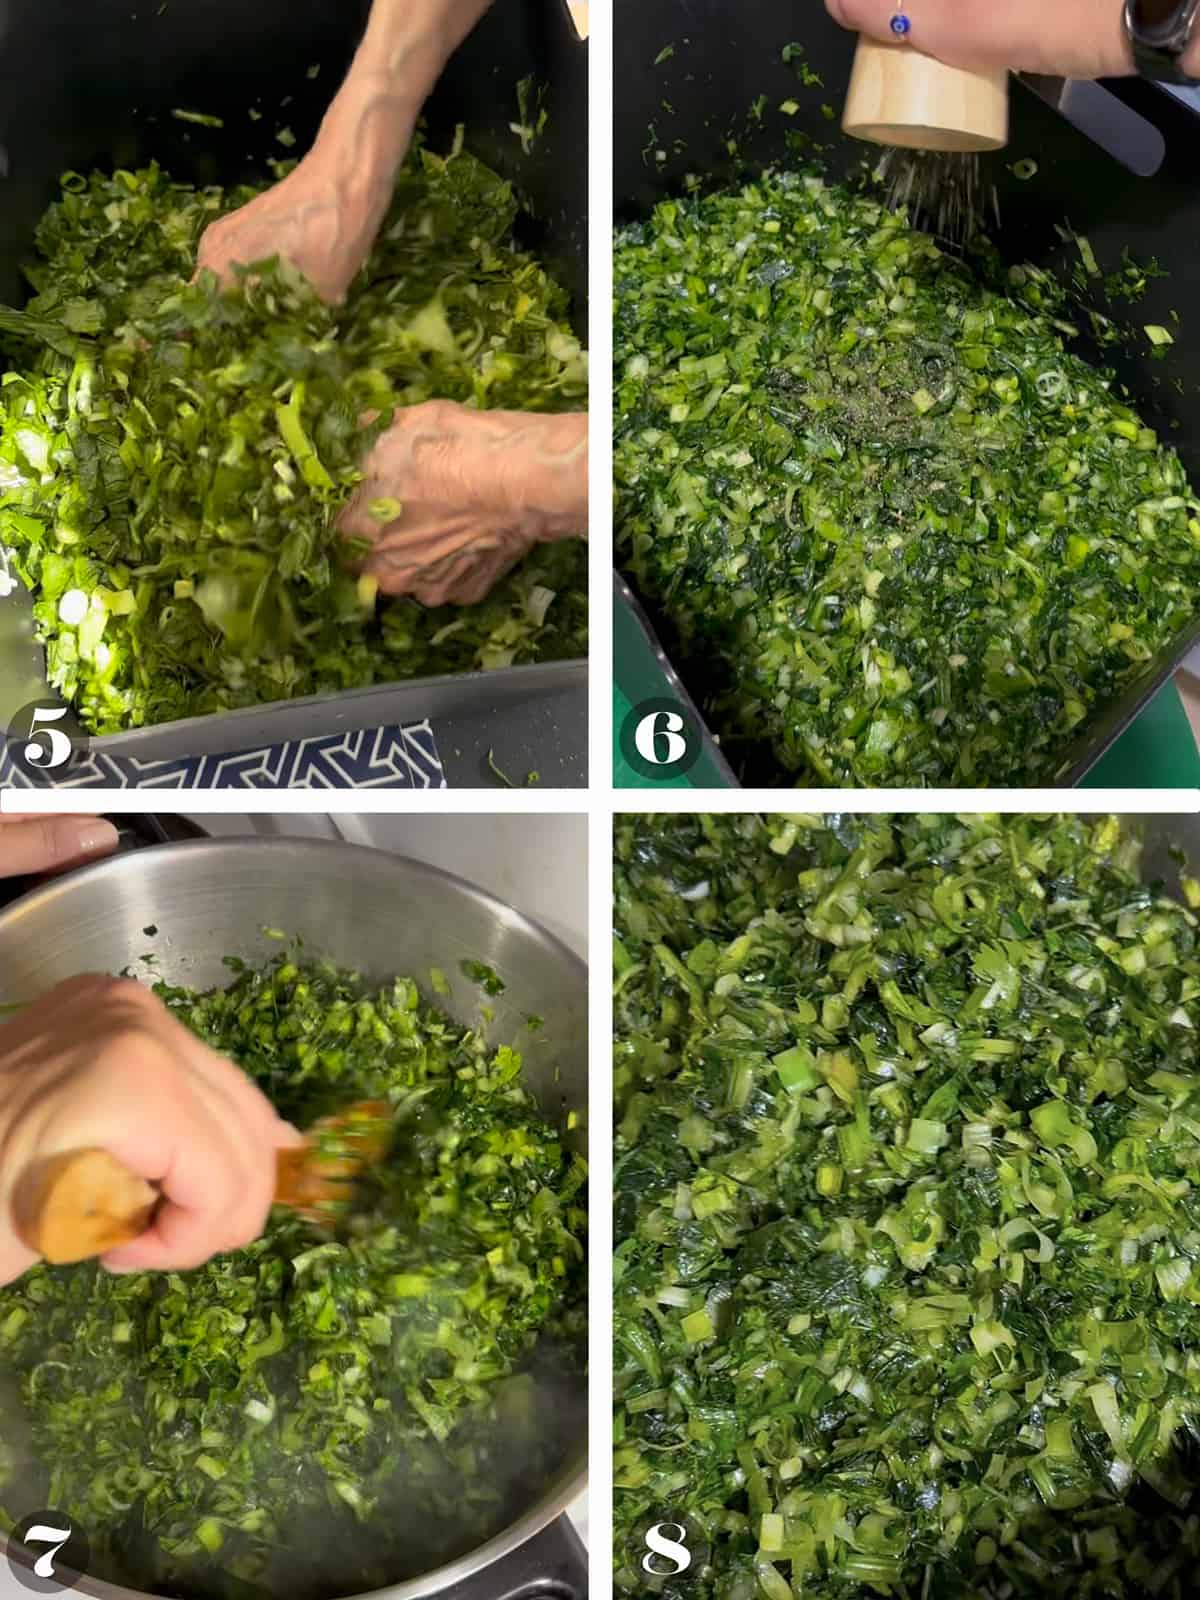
(1159,32)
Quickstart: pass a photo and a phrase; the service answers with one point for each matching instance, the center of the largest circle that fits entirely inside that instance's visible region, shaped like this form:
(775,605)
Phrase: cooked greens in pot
(907,1263)
(903,535)
(172,458)
(321,1415)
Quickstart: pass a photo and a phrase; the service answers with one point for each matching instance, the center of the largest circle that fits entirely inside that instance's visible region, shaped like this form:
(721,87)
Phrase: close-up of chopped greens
(900,532)
(907,1244)
(172,458)
(320,1414)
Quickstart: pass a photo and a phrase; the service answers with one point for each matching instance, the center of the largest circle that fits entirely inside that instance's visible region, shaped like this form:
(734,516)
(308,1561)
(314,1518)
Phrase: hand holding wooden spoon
(100,1065)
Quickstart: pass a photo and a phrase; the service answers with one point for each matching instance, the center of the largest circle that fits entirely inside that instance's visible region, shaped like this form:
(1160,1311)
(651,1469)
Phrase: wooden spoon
(83,1203)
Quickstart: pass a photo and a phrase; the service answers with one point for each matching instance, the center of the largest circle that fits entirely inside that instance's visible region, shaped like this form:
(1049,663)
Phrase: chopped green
(793,55)
(902,534)
(480,973)
(907,1238)
(532,113)
(664,54)
(1088,256)
(331,1414)
(1159,335)
(1025,169)
(202,117)
(498,771)
(172,458)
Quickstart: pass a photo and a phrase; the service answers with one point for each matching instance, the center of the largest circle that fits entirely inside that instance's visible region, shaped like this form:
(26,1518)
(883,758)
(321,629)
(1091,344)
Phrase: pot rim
(572,1480)
(552,1505)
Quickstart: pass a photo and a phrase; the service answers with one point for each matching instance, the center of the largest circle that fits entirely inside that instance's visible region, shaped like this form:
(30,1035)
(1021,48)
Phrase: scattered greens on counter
(904,536)
(907,1263)
(318,1414)
(172,458)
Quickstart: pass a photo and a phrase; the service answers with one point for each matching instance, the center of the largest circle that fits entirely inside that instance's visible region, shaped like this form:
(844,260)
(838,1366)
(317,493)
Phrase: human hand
(317,219)
(470,493)
(100,1063)
(1068,38)
(52,844)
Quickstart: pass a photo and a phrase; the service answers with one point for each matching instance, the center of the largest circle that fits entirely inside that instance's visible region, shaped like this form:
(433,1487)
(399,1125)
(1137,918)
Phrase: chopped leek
(907,1238)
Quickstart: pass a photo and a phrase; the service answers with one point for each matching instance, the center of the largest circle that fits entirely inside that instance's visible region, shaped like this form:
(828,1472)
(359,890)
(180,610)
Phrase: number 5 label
(43,740)
(56,751)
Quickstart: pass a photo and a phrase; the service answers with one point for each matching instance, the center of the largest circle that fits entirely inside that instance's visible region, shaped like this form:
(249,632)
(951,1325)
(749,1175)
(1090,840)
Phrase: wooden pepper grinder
(899,97)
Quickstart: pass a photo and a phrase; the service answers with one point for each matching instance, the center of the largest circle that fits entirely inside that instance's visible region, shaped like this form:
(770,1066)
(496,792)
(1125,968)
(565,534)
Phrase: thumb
(49,844)
(956,31)
(1075,38)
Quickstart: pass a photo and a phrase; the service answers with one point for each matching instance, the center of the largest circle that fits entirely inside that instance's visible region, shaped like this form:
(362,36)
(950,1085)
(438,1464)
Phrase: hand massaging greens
(904,536)
(172,459)
(373,1394)
(907,1293)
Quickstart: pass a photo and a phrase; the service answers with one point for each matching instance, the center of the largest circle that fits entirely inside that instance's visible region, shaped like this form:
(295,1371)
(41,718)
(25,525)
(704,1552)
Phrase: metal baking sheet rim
(382,705)
(1087,751)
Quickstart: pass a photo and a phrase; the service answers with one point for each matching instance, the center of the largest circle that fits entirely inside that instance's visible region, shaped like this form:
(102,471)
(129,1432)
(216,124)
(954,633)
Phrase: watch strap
(1158,53)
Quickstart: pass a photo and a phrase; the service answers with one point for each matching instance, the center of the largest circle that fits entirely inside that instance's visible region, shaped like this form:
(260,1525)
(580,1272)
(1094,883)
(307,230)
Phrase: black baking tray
(94,86)
(674,120)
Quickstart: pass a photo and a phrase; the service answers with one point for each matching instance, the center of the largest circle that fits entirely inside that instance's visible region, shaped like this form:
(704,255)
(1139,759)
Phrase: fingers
(1075,38)
(101,1063)
(213,1156)
(15,1259)
(464,580)
(305,221)
(52,844)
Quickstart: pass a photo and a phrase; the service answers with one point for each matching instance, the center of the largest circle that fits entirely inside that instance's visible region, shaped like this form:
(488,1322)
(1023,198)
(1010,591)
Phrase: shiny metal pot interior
(383,916)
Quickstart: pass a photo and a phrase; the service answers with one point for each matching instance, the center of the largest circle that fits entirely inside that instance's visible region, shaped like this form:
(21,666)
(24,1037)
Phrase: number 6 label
(661,740)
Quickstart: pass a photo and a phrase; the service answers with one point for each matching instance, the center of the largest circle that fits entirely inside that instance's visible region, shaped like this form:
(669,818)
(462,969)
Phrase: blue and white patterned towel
(372,758)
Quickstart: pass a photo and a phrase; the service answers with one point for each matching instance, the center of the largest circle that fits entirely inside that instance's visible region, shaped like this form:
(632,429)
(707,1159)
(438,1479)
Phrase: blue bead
(901,25)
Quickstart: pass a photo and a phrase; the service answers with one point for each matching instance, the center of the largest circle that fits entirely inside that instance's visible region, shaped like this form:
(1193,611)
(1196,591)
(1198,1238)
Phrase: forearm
(367,129)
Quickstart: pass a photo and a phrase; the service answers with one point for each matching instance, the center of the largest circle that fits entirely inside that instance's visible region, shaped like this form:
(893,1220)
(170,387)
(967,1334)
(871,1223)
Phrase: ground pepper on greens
(903,535)
(907,1237)
(172,459)
(319,1415)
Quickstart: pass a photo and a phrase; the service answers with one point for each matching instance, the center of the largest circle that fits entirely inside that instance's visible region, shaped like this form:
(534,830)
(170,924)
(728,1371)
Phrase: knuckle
(195,1256)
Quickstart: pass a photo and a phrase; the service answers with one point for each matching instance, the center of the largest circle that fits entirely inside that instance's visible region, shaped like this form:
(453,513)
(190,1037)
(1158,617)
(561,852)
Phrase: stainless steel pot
(381,915)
